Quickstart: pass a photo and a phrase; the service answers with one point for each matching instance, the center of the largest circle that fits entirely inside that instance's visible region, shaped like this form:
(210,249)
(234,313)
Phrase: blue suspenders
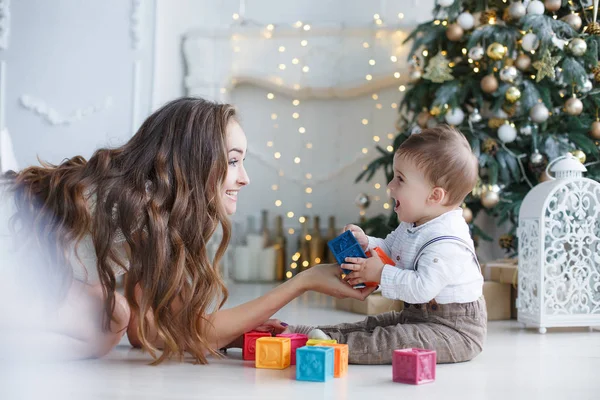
(445,238)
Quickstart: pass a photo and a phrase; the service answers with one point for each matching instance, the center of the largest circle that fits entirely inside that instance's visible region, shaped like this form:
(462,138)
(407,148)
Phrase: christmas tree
(520,80)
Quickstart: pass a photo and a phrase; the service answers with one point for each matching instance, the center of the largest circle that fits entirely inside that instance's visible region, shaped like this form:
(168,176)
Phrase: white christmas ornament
(455,116)
(530,42)
(517,10)
(445,3)
(536,8)
(539,113)
(507,133)
(466,21)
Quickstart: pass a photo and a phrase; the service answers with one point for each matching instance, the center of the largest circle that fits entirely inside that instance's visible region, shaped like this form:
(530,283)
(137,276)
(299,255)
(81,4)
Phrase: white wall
(175,18)
(68,75)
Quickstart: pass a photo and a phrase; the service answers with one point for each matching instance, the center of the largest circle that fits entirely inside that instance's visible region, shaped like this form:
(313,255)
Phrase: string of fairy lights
(285,62)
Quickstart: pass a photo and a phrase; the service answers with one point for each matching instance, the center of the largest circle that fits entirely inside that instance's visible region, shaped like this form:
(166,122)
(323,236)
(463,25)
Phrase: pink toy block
(415,366)
(298,340)
(249,349)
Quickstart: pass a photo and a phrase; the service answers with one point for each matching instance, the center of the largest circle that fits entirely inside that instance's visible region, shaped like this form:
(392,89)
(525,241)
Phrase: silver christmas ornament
(587,86)
(445,3)
(476,53)
(508,74)
(536,158)
(530,42)
(574,20)
(362,200)
(578,47)
(475,117)
(526,130)
(507,133)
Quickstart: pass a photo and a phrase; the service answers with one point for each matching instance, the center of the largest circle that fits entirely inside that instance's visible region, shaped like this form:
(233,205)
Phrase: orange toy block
(273,352)
(340,365)
(320,342)
(384,257)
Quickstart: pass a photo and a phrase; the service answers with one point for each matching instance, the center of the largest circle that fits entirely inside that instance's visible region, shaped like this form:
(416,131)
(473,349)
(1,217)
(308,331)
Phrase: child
(436,274)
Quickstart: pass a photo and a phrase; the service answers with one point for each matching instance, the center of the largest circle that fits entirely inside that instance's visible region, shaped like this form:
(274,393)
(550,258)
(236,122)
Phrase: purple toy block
(414,366)
(298,340)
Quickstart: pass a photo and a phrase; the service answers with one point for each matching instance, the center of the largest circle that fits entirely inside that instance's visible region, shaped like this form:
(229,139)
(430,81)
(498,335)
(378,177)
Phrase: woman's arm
(228,324)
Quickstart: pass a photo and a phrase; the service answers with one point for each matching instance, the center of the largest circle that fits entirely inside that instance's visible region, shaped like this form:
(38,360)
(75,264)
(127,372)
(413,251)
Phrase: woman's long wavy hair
(162,191)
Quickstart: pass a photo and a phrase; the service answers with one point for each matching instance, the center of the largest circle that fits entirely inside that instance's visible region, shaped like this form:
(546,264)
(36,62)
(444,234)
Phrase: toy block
(414,366)
(340,361)
(297,340)
(314,363)
(318,342)
(249,349)
(346,245)
(273,352)
(384,257)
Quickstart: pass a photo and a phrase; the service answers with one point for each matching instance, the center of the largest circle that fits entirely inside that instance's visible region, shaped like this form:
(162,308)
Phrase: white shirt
(446,271)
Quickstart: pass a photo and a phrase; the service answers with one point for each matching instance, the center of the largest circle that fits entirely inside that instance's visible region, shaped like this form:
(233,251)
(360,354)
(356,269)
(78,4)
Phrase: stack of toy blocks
(415,366)
(297,340)
(273,352)
(314,363)
(340,364)
(249,349)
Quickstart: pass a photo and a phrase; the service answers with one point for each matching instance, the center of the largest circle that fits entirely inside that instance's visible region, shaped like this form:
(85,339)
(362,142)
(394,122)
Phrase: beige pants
(455,331)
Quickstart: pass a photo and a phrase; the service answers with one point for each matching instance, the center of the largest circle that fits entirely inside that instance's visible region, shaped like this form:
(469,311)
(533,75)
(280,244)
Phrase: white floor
(516,364)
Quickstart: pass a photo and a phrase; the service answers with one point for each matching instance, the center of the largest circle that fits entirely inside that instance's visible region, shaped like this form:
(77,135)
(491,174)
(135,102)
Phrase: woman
(147,208)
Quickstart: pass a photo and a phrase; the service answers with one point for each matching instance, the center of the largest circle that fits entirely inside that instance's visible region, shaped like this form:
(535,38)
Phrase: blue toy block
(346,245)
(314,363)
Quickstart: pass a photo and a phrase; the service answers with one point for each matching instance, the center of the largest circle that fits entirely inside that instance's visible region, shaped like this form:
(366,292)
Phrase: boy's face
(410,190)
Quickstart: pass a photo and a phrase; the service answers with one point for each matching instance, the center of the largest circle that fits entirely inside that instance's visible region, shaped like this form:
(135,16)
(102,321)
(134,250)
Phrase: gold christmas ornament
(489,83)
(545,66)
(489,146)
(454,32)
(595,130)
(593,28)
(543,177)
(467,214)
(574,20)
(579,155)
(489,199)
(495,122)
(496,51)
(435,111)
(596,72)
(553,5)
(578,47)
(488,16)
(523,62)
(574,106)
(512,94)
(506,241)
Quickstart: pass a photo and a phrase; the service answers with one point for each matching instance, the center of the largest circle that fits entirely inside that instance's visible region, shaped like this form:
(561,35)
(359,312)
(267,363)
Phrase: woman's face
(236,173)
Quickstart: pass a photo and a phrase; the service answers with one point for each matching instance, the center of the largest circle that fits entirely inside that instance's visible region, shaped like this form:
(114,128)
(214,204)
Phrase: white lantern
(559,250)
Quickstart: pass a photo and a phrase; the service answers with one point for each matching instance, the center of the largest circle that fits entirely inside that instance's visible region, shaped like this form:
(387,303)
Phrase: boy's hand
(363,269)
(359,234)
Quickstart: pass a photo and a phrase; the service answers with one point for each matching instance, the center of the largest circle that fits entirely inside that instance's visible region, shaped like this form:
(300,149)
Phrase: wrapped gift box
(372,305)
(498,300)
(501,271)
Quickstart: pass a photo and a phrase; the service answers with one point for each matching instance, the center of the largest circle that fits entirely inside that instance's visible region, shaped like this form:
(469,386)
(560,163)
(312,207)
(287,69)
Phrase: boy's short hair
(446,159)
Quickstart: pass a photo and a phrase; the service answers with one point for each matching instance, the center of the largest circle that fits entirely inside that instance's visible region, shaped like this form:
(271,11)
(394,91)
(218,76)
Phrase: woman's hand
(327,279)
(274,326)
